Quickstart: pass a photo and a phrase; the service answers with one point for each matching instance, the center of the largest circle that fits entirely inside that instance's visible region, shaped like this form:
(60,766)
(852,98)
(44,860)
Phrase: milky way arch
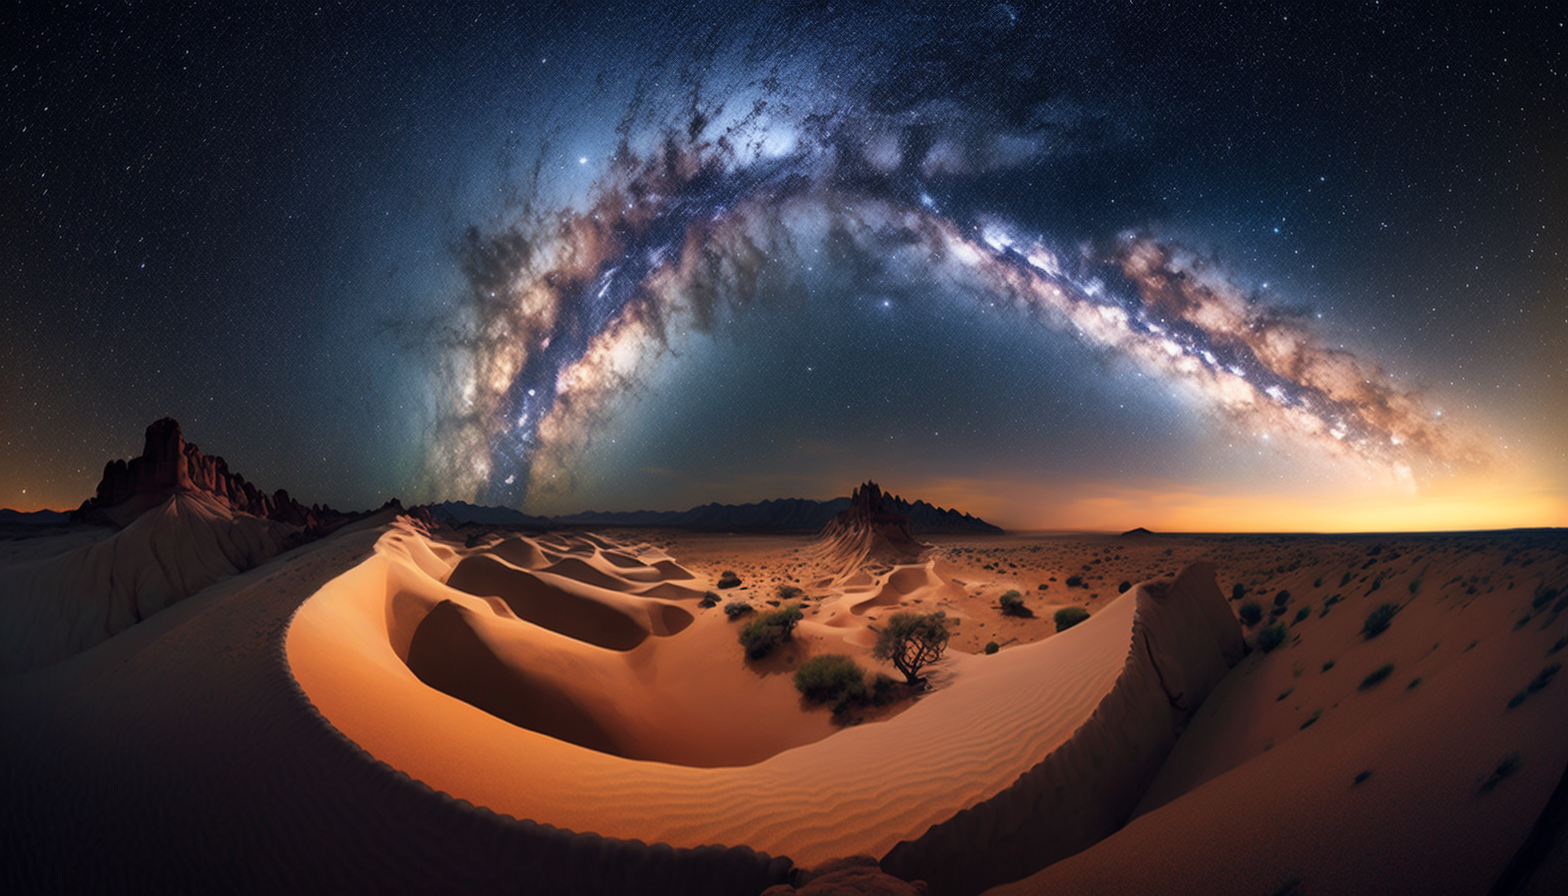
(569,308)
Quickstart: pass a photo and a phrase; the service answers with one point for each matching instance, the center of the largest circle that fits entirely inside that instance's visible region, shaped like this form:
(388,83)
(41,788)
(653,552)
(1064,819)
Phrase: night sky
(1230,267)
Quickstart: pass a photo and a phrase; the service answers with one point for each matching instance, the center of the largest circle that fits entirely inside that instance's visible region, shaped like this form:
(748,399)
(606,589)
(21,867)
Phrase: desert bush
(991,647)
(1507,766)
(769,630)
(911,642)
(1067,617)
(728,579)
(1124,587)
(1238,591)
(1271,637)
(1251,614)
(1377,620)
(1075,582)
(737,608)
(709,599)
(1543,596)
(1328,665)
(1282,598)
(832,678)
(1376,675)
(789,592)
(1303,613)
(1013,604)
(883,689)
(1561,643)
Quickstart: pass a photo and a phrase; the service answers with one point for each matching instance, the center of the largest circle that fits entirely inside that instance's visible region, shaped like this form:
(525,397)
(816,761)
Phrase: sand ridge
(860,790)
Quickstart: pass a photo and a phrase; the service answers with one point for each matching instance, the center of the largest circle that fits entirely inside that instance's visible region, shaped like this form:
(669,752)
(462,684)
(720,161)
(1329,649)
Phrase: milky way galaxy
(1196,266)
(570,308)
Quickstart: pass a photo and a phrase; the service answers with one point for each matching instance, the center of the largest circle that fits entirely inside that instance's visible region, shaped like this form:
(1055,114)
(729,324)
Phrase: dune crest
(947,784)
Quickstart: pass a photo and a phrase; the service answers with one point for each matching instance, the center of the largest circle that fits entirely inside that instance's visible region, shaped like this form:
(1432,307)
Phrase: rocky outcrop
(868,533)
(168,464)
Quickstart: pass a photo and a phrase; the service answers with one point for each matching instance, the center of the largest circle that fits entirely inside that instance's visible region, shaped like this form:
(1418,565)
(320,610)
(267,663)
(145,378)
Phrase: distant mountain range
(778,515)
(33,517)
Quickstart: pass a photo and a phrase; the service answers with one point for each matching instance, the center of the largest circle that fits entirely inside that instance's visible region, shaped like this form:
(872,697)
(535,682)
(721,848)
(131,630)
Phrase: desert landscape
(399,704)
(759,449)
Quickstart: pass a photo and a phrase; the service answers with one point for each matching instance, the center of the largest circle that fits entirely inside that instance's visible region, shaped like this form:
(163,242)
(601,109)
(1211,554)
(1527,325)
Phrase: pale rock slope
(54,607)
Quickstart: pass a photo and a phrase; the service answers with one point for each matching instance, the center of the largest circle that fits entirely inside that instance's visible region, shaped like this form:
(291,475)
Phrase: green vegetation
(1561,643)
(1377,675)
(789,592)
(1124,587)
(832,678)
(1282,598)
(1285,693)
(991,647)
(709,599)
(1362,776)
(1013,604)
(1251,614)
(1377,620)
(761,635)
(1312,719)
(1541,680)
(728,579)
(1413,682)
(1238,591)
(1543,596)
(911,642)
(1328,665)
(1075,582)
(736,609)
(1302,614)
(1067,617)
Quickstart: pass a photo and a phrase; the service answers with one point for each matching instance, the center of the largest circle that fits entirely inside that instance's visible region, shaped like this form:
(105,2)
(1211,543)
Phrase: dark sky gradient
(276,224)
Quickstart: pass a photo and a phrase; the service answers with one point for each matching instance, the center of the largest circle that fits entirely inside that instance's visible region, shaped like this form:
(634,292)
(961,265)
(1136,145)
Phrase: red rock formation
(168,464)
(867,532)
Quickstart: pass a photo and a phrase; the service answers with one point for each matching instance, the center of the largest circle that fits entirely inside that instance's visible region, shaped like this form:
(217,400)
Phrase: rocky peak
(168,464)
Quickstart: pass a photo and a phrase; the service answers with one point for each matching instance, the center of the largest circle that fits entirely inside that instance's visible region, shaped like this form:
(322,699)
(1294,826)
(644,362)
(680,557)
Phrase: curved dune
(1077,723)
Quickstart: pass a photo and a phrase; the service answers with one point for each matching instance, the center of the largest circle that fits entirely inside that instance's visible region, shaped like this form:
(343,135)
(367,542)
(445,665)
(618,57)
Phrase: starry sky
(1192,266)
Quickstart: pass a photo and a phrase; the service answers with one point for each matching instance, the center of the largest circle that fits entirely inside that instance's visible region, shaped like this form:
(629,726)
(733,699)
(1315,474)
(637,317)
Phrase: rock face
(168,464)
(867,532)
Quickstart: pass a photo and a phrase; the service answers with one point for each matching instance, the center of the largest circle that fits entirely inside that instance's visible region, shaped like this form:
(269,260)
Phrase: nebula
(571,307)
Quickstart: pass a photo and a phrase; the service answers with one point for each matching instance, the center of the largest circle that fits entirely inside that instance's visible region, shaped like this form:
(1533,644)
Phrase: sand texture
(183,755)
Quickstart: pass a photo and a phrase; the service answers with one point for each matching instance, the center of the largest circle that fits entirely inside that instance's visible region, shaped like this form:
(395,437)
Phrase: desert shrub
(1507,766)
(1345,579)
(831,678)
(1251,614)
(1377,620)
(1271,637)
(789,592)
(1543,596)
(991,647)
(1303,613)
(1075,582)
(1067,617)
(1044,586)
(709,599)
(1377,675)
(1285,693)
(1415,585)
(1282,598)
(1124,587)
(1238,591)
(1328,665)
(1013,604)
(1413,682)
(1312,719)
(912,641)
(883,689)
(728,579)
(1362,776)
(769,630)
(736,609)
(1561,643)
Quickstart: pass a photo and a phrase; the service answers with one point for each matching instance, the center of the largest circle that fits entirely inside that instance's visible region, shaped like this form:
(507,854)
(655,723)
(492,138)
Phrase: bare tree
(911,642)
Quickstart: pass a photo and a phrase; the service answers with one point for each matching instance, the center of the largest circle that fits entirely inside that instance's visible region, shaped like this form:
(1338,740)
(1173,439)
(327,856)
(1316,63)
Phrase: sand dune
(55,607)
(998,730)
